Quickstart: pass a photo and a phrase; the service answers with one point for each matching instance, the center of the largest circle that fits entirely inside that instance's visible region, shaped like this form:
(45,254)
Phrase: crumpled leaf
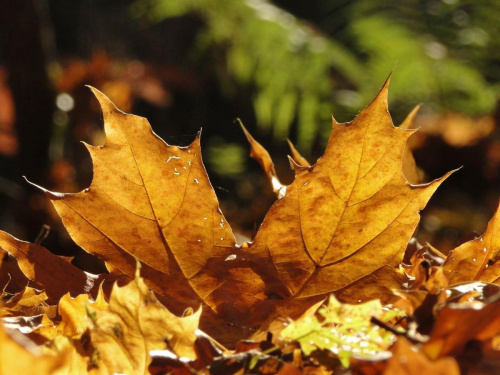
(425,270)
(346,330)
(406,360)
(476,260)
(74,320)
(472,312)
(20,356)
(57,276)
(134,324)
(27,302)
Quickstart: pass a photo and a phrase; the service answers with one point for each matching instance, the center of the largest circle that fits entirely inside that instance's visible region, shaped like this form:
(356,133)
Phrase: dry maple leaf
(259,153)
(296,156)
(476,259)
(342,226)
(52,272)
(348,216)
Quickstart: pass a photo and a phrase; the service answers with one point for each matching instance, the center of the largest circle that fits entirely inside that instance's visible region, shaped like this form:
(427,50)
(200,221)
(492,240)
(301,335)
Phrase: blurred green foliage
(445,53)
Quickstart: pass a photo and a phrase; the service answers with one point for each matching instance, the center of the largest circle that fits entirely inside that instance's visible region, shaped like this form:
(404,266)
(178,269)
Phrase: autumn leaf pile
(332,282)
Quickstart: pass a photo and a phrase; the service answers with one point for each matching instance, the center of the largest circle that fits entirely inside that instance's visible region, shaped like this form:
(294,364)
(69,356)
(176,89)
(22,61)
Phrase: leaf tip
(52,195)
(408,122)
(245,131)
(380,102)
(294,165)
(334,122)
(106,104)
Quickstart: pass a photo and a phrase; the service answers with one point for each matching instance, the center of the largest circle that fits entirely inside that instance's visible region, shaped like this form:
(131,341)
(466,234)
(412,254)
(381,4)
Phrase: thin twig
(397,332)
(43,234)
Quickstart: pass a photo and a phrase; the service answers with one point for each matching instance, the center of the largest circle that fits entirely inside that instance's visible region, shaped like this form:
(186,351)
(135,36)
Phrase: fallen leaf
(27,302)
(134,324)
(476,303)
(410,169)
(476,259)
(76,362)
(12,279)
(346,220)
(74,320)
(348,216)
(345,330)
(426,271)
(154,202)
(57,276)
(19,356)
(406,360)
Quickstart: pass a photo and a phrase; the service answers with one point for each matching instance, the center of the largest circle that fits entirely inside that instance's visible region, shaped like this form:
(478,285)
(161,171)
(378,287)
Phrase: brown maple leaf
(347,218)
(53,273)
(476,260)
(342,226)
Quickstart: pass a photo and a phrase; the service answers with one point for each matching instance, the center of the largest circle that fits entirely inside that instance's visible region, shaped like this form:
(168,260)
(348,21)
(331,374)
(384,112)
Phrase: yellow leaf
(349,216)
(27,302)
(136,323)
(476,260)
(409,165)
(344,222)
(297,157)
(20,356)
(74,319)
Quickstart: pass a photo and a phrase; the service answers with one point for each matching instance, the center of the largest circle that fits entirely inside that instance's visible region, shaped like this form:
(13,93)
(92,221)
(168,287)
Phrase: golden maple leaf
(347,218)
(342,226)
(477,259)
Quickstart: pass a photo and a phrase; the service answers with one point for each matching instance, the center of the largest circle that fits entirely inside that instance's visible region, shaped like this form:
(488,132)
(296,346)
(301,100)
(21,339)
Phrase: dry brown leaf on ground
(472,313)
(342,226)
(57,276)
(476,259)
(134,324)
(72,313)
(12,279)
(27,302)
(408,361)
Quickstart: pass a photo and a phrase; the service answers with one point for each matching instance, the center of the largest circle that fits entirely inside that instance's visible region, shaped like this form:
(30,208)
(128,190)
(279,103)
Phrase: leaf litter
(331,283)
